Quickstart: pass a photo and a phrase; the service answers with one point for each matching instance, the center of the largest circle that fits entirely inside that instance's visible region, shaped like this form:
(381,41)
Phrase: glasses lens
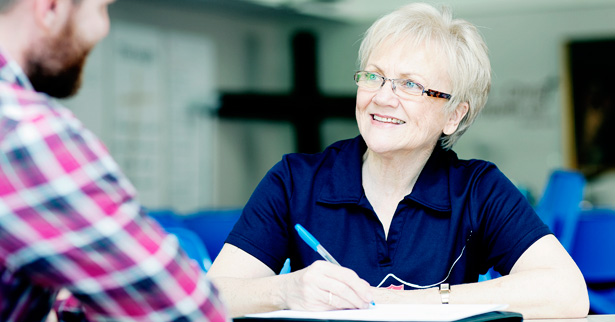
(368,80)
(409,87)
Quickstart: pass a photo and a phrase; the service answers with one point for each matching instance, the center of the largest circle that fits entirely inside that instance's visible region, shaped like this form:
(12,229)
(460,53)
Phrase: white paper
(391,312)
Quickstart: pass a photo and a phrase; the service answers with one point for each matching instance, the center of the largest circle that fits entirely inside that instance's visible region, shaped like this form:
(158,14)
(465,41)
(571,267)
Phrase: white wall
(231,156)
(521,130)
(526,126)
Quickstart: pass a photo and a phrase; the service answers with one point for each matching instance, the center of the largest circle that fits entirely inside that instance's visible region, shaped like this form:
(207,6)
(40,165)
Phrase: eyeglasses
(374,82)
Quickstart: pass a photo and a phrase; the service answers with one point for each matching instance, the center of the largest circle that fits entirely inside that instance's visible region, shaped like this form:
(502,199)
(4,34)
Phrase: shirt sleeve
(262,229)
(70,218)
(507,222)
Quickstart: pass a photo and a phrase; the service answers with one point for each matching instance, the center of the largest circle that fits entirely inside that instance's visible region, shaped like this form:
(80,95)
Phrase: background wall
(163,65)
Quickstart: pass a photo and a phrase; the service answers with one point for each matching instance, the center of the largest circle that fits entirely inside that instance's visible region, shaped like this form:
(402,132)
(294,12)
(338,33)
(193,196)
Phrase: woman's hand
(325,286)
(250,286)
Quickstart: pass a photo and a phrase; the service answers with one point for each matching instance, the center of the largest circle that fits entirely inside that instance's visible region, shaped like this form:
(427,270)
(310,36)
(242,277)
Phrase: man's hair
(463,47)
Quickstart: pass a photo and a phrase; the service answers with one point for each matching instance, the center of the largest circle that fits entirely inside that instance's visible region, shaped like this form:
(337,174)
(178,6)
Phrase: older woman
(399,211)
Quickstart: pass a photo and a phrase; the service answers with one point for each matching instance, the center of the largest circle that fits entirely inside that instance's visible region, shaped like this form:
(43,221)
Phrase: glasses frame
(428,92)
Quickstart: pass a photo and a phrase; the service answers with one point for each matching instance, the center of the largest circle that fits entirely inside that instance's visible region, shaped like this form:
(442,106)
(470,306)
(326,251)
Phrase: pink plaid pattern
(69,219)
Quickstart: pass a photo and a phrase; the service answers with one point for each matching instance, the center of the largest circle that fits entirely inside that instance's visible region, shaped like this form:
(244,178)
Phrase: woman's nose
(386,96)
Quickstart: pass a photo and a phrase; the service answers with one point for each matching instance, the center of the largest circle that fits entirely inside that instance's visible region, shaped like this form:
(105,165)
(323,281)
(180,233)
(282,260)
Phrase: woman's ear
(455,118)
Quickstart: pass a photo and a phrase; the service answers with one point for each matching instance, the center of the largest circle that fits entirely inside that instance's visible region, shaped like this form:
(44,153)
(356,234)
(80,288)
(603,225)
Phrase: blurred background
(197,99)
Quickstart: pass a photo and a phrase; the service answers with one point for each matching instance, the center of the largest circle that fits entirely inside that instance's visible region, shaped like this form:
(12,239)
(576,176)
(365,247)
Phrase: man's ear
(455,118)
(51,14)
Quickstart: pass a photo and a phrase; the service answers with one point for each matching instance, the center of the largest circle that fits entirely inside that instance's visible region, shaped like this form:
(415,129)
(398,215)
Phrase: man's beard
(56,66)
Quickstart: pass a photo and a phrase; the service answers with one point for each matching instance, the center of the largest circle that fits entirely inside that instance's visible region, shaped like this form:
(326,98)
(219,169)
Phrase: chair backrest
(202,234)
(559,206)
(192,244)
(166,217)
(212,226)
(594,245)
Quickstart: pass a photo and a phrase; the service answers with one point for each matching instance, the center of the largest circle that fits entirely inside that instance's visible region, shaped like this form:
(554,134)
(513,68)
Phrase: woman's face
(392,124)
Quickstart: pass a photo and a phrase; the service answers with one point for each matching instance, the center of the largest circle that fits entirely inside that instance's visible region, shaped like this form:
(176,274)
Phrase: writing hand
(324,286)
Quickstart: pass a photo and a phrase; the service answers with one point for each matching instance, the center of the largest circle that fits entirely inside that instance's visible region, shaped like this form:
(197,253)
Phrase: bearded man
(69,218)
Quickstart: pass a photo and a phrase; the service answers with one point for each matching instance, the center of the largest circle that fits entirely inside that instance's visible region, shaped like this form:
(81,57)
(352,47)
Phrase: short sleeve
(507,222)
(263,228)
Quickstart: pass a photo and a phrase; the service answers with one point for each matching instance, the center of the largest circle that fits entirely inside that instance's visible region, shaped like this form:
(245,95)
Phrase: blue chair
(286,268)
(593,250)
(188,240)
(559,206)
(491,274)
(207,228)
(166,217)
(192,245)
(212,226)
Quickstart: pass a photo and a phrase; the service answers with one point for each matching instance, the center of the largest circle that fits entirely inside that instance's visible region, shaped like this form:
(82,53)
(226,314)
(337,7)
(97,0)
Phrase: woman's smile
(386,119)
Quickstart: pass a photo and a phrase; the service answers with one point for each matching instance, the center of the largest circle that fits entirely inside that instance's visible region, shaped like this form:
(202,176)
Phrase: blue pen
(317,247)
(315,244)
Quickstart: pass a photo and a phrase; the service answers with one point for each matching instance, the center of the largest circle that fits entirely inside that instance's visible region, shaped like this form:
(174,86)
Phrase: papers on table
(389,312)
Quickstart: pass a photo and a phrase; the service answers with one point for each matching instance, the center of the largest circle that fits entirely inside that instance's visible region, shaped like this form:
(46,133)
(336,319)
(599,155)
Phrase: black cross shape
(305,107)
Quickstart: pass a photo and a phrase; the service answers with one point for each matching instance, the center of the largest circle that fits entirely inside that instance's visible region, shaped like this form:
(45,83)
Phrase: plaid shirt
(69,219)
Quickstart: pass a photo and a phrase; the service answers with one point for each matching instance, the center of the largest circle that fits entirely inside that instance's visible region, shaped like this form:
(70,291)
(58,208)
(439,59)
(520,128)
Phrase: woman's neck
(393,174)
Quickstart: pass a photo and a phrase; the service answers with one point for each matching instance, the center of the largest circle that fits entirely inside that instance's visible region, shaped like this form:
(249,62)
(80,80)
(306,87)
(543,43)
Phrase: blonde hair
(460,42)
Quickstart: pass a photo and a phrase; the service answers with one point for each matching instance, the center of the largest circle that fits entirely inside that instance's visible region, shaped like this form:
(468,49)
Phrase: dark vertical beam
(307,119)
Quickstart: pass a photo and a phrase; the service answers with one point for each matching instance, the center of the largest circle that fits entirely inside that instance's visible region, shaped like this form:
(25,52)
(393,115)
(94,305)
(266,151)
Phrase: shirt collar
(432,187)
(12,73)
(345,182)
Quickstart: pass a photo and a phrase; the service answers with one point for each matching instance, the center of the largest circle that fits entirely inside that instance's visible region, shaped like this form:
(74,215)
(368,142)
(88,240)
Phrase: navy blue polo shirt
(461,218)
